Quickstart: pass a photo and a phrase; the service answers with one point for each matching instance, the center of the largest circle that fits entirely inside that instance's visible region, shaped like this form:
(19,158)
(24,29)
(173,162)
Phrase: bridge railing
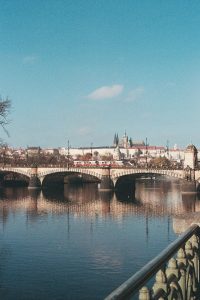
(86,166)
(173,274)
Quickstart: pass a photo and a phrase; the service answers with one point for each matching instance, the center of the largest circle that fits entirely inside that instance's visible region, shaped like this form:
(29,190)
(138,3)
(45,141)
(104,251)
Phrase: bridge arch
(84,171)
(145,172)
(126,178)
(60,176)
(20,171)
(13,177)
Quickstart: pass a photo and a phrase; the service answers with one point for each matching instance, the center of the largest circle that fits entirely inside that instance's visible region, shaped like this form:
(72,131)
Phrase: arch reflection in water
(155,198)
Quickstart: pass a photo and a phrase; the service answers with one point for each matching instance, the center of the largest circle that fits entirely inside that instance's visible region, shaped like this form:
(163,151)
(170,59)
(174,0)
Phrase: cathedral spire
(116,140)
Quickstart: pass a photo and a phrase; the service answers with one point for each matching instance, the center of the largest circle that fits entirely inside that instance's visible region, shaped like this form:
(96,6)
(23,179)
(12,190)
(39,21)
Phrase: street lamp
(91,149)
(68,154)
(146,153)
(167,149)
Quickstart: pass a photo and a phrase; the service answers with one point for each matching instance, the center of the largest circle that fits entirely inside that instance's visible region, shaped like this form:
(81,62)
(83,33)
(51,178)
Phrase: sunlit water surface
(78,243)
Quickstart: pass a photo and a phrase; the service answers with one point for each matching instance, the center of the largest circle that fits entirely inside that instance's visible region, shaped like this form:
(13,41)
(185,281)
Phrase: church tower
(191,157)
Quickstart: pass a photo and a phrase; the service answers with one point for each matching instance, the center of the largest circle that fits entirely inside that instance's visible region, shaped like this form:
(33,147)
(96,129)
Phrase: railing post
(189,286)
(172,268)
(144,293)
(161,283)
(196,248)
(181,261)
(182,283)
(173,274)
(190,249)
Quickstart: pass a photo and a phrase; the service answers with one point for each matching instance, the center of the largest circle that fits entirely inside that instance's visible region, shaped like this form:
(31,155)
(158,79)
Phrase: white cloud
(106,92)
(29,59)
(135,94)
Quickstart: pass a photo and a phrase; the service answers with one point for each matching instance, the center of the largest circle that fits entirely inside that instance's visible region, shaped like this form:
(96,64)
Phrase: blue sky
(83,70)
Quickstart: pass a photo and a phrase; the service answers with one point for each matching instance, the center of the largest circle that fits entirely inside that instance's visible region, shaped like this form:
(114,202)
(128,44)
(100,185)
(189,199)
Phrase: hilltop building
(123,148)
(126,142)
(33,151)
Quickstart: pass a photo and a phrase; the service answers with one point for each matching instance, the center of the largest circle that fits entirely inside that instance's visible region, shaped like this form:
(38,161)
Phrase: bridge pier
(34,182)
(189,187)
(1,180)
(106,183)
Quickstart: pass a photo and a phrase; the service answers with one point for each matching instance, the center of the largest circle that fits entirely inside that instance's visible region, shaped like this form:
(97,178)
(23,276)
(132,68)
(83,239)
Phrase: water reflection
(91,240)
(190,215)
(151,197)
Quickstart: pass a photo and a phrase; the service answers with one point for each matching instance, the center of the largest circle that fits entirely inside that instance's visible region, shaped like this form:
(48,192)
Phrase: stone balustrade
(175,273)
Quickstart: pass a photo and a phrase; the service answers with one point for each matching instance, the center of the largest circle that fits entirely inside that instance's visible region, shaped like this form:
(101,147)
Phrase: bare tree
(5,105)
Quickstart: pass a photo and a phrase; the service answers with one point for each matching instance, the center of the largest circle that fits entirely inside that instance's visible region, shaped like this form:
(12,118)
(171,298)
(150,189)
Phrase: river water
(79,243)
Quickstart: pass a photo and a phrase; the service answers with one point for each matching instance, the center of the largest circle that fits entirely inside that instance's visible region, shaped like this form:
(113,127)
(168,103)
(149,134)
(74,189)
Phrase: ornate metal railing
(175,271)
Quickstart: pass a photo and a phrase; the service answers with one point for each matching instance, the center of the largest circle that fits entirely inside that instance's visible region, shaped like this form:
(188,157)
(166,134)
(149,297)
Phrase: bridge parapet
(42,172)
(22,171)
(123,172)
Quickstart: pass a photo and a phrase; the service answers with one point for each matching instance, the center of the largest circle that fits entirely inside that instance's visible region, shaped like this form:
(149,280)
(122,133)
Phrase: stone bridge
(108,177)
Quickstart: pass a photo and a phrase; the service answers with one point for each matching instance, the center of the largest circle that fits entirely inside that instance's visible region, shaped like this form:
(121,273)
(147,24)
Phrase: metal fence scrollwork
(176,273)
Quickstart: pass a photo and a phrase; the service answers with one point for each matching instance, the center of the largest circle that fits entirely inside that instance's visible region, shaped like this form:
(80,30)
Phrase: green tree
(130,142)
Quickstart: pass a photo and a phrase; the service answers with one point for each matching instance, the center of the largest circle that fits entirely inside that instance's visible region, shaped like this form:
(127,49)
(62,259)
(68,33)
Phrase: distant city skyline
(84,70)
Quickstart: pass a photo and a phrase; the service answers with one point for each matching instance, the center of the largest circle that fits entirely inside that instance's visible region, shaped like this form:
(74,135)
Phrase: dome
(191,148)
